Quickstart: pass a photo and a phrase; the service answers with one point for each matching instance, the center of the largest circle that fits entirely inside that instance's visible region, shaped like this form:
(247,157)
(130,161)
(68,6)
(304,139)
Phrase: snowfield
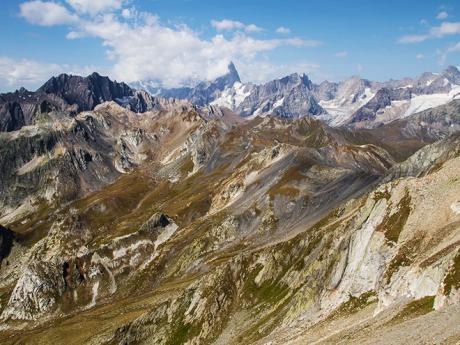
(422,102)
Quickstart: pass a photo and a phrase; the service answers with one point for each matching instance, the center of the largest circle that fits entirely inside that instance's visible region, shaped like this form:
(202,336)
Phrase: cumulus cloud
(442,15)
(253,28)
(419,56)
(15,73)
(46,13)
(93,7)
(283,30)
(178,55)
(341,54)
(146,49)
(141,47)
(229,25)
(445,29)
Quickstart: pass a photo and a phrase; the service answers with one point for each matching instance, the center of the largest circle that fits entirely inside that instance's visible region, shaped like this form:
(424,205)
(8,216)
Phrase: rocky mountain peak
(356,80)
(224,81)
(452,74)
(233,73)
(296,78)
(86,92)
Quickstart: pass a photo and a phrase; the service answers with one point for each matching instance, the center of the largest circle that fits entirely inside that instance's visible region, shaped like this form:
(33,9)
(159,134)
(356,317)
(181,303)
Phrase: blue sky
(176,42)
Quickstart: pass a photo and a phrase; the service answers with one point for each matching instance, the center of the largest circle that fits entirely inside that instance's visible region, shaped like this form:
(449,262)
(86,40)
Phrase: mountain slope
(194,225)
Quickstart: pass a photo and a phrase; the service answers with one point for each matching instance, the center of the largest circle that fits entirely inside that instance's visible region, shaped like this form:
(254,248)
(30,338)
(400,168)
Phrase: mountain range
(230,213)
(355,101)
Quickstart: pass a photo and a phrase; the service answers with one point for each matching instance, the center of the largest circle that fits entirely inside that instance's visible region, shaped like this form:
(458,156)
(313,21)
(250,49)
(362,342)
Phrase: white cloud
(143,48)
(128,13)
(93,7)
(252,28)
(442,15)
(454,48)
(72,35)
(446,28)
(229,25)
(341,54)
(443,54)
(419,56)
(46,13)
(413,38)
(146,49)
(31,74)
(283,30)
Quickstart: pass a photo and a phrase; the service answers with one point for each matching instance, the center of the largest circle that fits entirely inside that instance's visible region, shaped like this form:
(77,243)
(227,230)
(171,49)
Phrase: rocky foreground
(186,225)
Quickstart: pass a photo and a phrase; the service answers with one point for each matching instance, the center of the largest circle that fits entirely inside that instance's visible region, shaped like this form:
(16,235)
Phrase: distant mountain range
(355,101)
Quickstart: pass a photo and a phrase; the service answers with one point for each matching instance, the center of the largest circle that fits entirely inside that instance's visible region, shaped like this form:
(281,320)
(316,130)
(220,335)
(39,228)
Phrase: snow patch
(339,111)
(233,97)
(455,207)
(278,103)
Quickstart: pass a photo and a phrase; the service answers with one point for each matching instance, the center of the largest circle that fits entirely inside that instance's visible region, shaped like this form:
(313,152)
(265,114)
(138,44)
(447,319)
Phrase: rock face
(190,225)
(85,92)
(382,99)
(289,97)
(11,117)
(6,243)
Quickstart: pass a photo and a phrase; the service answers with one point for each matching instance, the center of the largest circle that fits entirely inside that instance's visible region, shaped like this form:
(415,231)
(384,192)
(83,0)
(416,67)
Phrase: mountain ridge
(353,101)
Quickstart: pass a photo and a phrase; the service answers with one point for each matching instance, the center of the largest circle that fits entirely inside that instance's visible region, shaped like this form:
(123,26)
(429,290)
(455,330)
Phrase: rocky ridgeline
(353,102)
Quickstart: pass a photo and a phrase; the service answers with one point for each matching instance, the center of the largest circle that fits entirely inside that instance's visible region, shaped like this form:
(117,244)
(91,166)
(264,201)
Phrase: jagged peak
(452,74)
(232,71)
(295,78)
(228,79)
(452,69)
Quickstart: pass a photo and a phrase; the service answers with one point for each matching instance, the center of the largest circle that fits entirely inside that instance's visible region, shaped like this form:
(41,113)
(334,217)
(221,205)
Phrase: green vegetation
(179,334)
(392,225)
(355,304)
(187,166)
(283,185)
(452,279)
(269,291)
(414,309)
(401,259)
(378,195)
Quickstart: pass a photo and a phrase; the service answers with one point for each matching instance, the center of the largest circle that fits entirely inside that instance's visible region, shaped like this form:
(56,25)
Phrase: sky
(179,42)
